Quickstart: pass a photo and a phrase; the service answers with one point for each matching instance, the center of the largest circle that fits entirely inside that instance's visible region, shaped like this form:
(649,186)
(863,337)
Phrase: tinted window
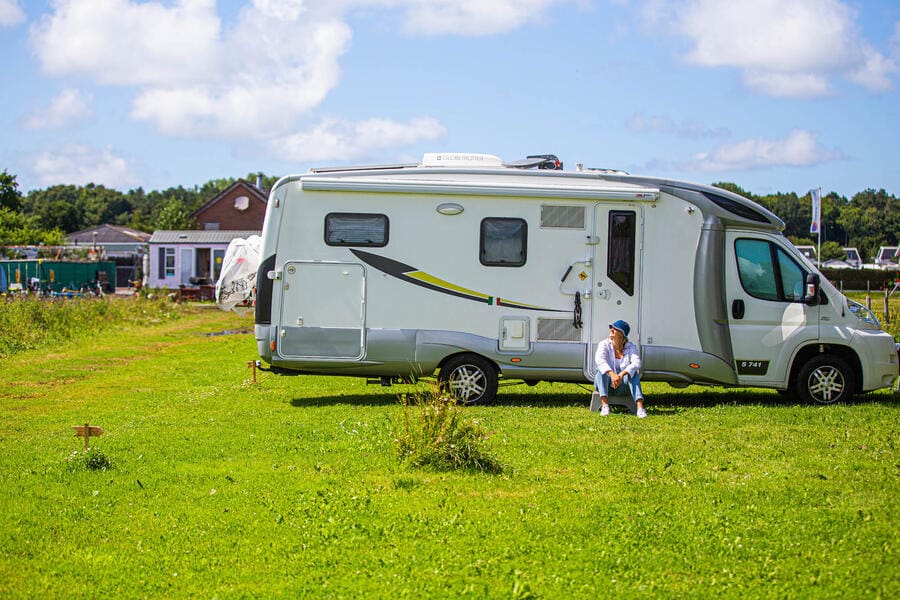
(504,242)
(767,272)
(620,249)
(353,229)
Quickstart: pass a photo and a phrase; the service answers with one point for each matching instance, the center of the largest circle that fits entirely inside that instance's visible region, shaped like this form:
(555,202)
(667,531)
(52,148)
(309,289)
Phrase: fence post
(868,294)
(887,312)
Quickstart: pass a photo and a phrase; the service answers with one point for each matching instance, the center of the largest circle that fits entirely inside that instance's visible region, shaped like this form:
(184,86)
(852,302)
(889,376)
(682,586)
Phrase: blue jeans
(630,385)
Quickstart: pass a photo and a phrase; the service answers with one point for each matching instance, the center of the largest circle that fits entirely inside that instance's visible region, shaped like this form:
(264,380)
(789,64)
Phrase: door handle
(737,309)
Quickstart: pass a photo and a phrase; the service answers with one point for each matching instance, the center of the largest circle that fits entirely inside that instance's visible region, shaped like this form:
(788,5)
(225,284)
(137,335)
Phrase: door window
(768,272)
(620,249)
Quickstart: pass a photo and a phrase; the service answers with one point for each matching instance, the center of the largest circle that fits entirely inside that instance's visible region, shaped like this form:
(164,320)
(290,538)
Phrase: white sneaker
(604,410)
(641,413)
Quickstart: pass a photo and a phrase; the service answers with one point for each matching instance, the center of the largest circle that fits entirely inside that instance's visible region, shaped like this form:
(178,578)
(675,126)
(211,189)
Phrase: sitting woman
(618,368)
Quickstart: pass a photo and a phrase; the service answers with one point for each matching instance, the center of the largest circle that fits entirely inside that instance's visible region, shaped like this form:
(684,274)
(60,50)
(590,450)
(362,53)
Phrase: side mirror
(812,289)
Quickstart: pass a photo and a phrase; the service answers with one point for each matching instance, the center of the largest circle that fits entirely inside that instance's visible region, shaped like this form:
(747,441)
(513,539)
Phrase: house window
(169,262)
(620,249)
(211,226)
(356,229)
(504,242)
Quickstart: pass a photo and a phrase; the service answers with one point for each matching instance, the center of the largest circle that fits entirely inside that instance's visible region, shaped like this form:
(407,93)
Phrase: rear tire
(825,379)
(470,378)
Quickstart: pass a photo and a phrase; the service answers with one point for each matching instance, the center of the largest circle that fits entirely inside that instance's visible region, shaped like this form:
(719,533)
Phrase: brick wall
(223,211)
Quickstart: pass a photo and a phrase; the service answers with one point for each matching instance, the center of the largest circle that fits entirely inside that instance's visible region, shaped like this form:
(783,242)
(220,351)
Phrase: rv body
(478,271)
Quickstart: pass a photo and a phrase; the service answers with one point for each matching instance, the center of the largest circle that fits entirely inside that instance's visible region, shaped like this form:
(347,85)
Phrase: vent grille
(557,330)
(562,217)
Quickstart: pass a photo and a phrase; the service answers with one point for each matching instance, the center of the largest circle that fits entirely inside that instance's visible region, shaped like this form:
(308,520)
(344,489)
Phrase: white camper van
(477,271)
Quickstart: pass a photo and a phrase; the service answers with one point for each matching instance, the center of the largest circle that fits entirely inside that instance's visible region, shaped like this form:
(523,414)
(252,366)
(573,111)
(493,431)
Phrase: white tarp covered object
(236,287)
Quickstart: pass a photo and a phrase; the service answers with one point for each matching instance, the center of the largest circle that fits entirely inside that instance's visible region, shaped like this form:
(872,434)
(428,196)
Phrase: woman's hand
(616,379)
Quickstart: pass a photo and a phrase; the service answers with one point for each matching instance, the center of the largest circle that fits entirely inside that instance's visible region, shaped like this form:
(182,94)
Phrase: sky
(773,95)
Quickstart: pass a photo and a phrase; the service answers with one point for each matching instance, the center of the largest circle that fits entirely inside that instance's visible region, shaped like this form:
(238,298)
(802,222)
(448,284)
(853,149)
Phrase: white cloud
(785,48)
(787,85)
(472,17)
(127,43)
(193,79)
(253,78)
(800,148)
(69,106)
(342,140)
(10,13)
(79,165)
(639,123)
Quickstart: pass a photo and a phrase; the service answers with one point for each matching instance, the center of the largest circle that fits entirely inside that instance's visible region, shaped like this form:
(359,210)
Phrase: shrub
(431,432)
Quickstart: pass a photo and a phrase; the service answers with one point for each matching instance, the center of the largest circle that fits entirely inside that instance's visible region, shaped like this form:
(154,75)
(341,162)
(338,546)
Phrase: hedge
(857,279)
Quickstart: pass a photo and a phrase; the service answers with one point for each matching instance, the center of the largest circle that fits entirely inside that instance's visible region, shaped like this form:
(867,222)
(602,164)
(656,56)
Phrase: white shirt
(606,358)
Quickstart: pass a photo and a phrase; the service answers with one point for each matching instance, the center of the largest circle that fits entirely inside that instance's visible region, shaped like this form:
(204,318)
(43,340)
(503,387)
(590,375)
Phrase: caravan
(476,271)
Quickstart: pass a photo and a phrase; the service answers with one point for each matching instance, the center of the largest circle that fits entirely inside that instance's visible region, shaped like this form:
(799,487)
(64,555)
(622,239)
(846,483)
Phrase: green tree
(832,250)
(57,207)
(173,215)
(10,197)
(18,229)
(733,187)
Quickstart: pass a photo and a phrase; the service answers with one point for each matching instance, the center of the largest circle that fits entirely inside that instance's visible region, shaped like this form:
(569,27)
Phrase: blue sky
(774,95)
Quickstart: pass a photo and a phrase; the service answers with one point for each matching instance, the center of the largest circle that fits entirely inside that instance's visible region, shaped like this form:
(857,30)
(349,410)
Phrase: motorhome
(475,271)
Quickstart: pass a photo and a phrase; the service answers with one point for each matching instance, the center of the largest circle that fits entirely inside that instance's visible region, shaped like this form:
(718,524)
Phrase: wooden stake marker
(252,365)
(87,432)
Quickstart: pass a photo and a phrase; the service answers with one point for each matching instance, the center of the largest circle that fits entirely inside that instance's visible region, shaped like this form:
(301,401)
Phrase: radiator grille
(557,330)
(562,217)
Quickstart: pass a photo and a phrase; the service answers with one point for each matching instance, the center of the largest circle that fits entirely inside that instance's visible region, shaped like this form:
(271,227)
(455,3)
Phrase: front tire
(470,378)
(825,380)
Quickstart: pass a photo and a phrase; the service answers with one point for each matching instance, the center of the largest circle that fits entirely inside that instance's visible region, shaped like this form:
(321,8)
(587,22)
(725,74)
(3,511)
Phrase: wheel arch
(808,352)
(450,357)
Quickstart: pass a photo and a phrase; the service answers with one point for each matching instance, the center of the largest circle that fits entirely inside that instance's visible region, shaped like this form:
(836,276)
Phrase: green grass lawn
(291,487)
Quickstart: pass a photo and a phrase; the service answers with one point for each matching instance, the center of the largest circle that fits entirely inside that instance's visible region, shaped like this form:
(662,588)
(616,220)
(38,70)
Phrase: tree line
(866,221)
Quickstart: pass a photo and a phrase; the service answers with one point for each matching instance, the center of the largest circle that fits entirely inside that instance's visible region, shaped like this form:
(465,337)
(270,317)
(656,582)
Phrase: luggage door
(616,274)
(323,310)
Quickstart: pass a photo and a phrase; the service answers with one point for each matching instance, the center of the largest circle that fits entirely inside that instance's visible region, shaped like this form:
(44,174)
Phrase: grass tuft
(91,459)
(432,432)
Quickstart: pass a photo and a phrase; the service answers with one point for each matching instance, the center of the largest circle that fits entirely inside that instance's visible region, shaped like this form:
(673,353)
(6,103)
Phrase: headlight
(862,313)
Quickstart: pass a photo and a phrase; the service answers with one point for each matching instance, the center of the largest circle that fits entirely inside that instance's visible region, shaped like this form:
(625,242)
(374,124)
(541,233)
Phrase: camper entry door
(616,274)
(323,310)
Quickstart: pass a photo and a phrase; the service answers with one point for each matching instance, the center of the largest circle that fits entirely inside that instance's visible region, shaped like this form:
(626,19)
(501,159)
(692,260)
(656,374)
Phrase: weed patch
(432,431)
(29,323)
(92,459)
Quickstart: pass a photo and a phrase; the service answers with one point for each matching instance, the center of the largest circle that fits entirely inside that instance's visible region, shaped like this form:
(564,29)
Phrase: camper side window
(504,242)
(767,272)
(356,229)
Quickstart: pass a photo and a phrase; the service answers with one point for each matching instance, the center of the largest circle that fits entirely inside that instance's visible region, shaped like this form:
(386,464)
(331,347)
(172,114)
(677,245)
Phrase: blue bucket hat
(621,326)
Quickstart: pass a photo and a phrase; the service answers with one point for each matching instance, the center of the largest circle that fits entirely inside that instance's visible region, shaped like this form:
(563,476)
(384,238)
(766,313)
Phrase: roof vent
(454,159)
